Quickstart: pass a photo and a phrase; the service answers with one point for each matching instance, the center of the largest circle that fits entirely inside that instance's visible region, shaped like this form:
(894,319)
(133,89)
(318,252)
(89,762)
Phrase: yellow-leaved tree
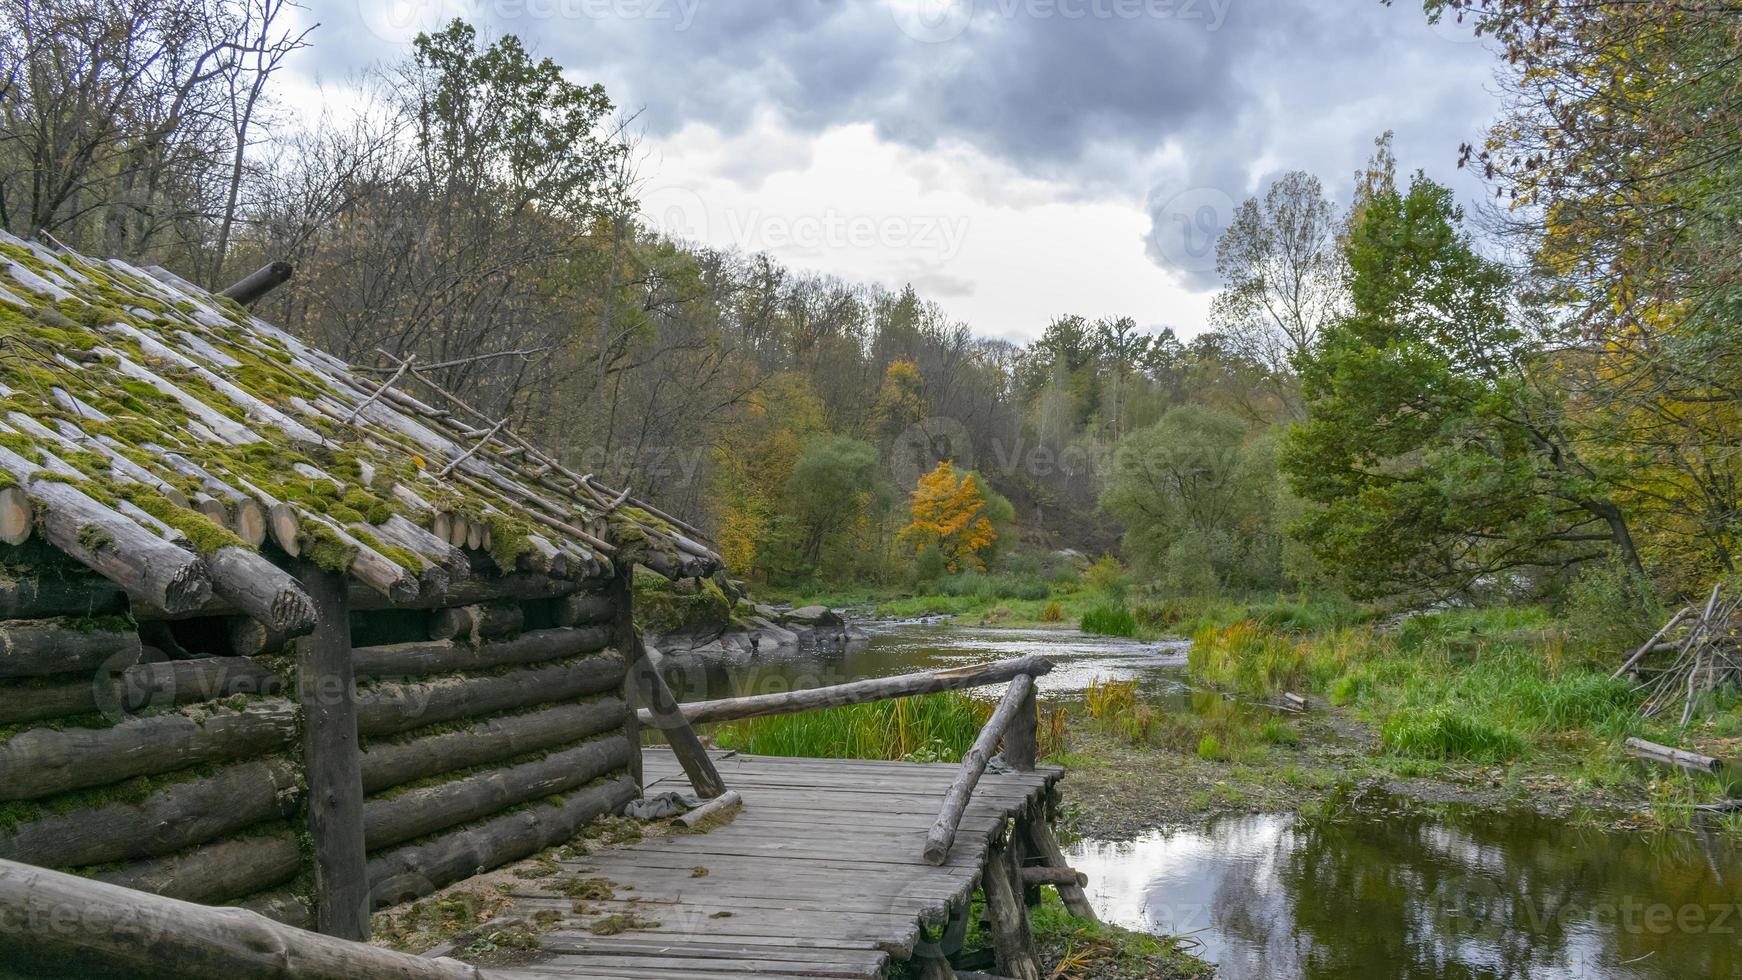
(950,514)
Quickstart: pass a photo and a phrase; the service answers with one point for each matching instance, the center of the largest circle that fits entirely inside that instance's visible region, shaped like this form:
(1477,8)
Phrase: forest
(1396,396)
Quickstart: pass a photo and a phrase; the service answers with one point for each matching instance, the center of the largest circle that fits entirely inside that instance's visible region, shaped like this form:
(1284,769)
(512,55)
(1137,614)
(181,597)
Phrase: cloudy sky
(1014,159)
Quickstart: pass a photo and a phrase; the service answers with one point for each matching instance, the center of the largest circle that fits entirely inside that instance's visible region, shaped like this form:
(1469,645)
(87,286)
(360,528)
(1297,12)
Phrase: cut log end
(250,523)
(285,526)
(188,587)
(16,516)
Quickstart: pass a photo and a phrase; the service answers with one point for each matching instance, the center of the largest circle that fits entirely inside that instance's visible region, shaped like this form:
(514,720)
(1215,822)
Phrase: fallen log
(1294,701)
(719,806)
(943,833)
(859,692)
(447,656)
(33,648)
(387,764)
(425,810)
(1641,749)
(114,547)
(131,933)
(415,870)
(388,708)
(42,762)
(178,816)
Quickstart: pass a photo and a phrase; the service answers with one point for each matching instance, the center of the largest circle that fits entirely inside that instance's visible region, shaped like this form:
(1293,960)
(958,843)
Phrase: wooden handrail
(1018,696)
(859,692)
(76,922)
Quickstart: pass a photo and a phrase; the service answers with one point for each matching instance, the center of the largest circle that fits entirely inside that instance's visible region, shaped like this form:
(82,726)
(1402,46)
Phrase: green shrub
(1110,621)
(1449,732)
(1210,747)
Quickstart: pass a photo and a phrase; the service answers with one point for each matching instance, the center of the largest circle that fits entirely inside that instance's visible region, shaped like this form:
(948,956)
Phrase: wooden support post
(661,703)
(1012,942)
(1043,842)
(1022,738)
(326,691)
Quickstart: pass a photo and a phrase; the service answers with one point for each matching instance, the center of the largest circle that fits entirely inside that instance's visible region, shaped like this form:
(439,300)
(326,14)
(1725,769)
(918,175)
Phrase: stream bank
(1260,816)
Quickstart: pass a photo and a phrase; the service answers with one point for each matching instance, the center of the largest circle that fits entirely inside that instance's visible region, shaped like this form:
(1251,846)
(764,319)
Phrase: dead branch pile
(1707,653)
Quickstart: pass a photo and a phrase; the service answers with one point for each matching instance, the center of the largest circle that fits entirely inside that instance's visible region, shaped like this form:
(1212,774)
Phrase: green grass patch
(1110,621)
(932,728)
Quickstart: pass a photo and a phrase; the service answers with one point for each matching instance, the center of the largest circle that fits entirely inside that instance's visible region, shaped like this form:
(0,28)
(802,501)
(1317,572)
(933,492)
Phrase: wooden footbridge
(814,868)
(821,875)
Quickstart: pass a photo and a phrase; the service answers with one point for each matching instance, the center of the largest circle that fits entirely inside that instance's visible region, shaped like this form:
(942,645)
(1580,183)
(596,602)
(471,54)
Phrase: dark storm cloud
(1083,91)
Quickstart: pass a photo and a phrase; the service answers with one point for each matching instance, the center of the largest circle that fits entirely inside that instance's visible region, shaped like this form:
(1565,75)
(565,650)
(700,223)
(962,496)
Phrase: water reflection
(1471,893)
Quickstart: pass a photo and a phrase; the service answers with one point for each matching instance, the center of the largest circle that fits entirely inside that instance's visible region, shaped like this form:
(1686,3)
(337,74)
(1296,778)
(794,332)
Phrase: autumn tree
(951,516)
(1615,165)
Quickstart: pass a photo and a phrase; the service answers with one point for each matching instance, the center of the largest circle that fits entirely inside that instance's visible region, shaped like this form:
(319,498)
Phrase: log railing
(1018,701)
(1014,722)
(859,692)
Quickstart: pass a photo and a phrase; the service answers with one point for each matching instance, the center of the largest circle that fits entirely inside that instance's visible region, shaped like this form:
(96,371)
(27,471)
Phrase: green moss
(508,540)
(399,556)
(206,535)
(325,548)
(93,537)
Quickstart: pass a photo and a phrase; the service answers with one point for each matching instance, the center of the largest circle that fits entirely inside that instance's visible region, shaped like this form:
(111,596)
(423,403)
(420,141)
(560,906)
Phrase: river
(1375,890)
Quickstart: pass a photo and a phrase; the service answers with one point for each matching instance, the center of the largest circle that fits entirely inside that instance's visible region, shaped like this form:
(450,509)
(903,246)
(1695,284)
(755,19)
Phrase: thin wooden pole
(326,690)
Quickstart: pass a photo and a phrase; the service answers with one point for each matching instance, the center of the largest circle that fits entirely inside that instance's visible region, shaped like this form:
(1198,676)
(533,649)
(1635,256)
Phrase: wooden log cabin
(303,641)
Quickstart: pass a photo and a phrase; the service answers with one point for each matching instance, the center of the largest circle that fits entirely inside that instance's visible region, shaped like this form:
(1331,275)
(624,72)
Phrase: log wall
(167,761)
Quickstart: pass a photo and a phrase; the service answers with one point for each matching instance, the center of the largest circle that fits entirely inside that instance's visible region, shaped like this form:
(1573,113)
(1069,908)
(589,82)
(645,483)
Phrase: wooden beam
(1043,842)
(124,932)
(860,692)
(663,710)
(258,283)
(326,690)
(943,832)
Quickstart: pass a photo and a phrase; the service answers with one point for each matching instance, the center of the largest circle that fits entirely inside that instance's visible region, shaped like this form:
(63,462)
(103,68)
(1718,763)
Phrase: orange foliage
(949,511)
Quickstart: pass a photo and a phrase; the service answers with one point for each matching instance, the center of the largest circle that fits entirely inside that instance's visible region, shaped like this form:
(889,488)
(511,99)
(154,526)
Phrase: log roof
(178,445)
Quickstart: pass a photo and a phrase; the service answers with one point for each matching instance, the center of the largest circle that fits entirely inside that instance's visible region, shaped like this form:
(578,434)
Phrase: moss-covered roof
(205,424)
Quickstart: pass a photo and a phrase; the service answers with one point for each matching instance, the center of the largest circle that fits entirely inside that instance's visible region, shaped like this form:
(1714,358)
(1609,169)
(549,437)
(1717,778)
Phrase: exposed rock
(814,617)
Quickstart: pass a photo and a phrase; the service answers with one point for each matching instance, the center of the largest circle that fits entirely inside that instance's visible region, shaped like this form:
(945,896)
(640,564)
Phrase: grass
(932,728)
(1110,621)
